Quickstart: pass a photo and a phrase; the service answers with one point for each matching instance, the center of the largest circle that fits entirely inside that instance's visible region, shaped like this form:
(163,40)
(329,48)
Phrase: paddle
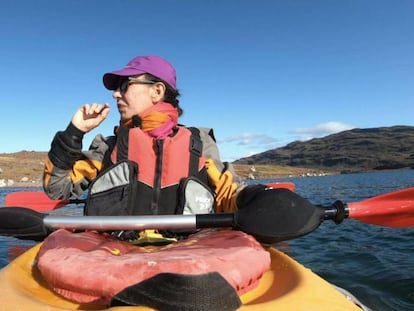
(394,209)
(39,201)
(274,216)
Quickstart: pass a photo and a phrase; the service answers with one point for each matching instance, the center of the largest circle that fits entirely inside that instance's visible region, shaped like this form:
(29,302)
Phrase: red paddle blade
(286,185)
(34,200)
(394,209)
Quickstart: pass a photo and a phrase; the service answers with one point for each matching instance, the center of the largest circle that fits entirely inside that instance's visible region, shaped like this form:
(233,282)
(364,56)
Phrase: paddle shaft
(162,222)
(273,216)
(336,212)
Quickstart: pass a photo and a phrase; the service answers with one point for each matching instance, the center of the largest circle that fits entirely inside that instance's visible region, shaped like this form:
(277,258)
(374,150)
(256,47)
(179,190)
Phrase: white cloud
(244,145)
(323,129)
(249,139)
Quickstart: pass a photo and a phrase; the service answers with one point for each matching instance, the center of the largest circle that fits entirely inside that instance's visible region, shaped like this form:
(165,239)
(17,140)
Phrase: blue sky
(261,73)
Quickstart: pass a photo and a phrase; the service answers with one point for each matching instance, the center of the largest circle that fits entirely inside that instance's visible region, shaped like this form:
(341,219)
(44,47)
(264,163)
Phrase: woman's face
(136,94)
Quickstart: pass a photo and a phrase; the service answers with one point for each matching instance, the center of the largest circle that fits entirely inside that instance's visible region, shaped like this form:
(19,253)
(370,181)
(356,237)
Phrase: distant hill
(356,150)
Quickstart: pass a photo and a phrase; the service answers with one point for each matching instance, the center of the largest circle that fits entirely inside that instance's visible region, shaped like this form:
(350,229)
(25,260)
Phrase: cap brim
(111,79)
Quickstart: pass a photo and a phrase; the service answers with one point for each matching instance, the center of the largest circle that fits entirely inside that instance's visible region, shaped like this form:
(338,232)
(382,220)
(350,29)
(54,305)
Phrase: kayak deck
(288,285)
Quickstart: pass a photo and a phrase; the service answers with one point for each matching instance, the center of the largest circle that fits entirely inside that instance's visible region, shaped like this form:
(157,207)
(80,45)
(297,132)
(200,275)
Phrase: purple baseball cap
(152,64)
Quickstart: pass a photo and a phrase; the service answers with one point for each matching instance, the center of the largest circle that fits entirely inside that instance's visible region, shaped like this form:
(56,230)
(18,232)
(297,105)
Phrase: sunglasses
(125,83)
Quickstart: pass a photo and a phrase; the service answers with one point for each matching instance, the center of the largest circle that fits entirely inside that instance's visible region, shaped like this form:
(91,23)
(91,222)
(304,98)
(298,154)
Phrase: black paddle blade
(276,215)
(22,223)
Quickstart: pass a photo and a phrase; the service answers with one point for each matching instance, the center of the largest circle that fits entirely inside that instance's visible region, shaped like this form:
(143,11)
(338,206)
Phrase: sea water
(374,263)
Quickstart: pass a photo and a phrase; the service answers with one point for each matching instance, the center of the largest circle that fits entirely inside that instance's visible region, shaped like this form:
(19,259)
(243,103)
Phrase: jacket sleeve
(69,170)
(223,180)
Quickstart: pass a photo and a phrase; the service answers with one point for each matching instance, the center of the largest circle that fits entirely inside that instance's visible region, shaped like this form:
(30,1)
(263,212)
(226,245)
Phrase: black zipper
(157,176)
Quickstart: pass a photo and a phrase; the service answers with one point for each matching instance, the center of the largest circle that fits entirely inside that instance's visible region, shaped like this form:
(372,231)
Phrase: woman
(151,163)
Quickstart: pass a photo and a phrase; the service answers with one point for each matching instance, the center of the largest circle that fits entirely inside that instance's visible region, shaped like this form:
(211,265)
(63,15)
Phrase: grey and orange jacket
(69,171)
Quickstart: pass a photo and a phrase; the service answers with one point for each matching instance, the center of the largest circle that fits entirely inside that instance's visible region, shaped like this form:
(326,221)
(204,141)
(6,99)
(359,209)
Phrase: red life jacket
(161,165)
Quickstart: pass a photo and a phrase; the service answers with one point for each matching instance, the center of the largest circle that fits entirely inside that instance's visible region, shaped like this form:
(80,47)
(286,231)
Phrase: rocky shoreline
(22,169)
(11,183)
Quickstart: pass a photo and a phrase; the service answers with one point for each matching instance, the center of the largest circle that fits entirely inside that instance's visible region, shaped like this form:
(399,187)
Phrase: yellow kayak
(288,285)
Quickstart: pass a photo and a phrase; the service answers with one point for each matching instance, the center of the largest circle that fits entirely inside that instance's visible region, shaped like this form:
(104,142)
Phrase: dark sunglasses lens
(123,85)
